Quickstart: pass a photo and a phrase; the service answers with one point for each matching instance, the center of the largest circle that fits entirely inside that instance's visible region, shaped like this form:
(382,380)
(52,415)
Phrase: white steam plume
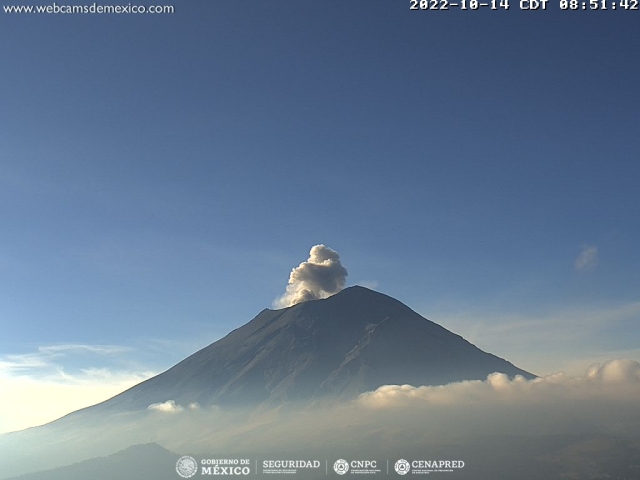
(321,276)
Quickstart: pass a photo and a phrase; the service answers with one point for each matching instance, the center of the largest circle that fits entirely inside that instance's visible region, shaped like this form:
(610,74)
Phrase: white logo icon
(186,466)
(341,466)
(402,467)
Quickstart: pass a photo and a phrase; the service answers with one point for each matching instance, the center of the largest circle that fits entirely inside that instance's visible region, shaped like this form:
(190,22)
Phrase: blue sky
(161,175)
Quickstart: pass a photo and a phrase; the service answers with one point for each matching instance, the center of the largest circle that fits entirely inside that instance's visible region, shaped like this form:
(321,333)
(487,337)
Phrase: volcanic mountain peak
(349,343)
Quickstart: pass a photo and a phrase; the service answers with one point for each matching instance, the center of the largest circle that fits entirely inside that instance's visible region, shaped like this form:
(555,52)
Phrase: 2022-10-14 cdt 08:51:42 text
(534,5)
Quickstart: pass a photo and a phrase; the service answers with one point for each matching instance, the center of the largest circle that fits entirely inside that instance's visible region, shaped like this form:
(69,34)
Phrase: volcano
(338,347)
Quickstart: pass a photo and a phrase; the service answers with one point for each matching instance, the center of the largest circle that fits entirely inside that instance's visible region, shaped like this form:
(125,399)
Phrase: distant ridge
(142,462)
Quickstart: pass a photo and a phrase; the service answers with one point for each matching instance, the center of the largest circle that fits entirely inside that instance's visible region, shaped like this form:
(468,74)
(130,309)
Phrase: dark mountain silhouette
(140,462)
(352,342)
(552,457)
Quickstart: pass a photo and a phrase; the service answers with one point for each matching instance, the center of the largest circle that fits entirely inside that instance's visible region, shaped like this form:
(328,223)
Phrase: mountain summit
(349,343)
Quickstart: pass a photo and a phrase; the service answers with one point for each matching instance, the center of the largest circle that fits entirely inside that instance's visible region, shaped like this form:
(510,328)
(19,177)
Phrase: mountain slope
(346,344)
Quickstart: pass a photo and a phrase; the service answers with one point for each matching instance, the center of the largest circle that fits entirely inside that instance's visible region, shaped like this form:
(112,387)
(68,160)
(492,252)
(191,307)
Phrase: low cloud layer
(603,400)
(467,420)
(321,276)
(613,380)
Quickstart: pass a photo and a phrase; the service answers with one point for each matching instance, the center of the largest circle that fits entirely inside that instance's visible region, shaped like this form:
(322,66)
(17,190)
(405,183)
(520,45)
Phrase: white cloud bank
(321,276)
(614,379)
(604,400)
(394,418)
(390,421)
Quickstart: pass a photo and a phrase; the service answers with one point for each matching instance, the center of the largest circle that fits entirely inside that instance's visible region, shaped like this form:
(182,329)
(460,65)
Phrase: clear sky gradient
(161,175)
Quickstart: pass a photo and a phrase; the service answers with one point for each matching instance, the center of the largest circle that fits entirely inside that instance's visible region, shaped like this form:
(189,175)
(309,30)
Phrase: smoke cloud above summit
(321,276)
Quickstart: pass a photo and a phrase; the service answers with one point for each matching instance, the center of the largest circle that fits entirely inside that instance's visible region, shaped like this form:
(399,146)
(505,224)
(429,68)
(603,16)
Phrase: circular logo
(186,466)
(341,466)
(402,467)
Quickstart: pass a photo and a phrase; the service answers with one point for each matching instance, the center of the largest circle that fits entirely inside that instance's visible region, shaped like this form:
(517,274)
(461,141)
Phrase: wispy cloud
(99,349)
(41,386)
(51,356)
(587,259)
(170,406)
(27,361)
